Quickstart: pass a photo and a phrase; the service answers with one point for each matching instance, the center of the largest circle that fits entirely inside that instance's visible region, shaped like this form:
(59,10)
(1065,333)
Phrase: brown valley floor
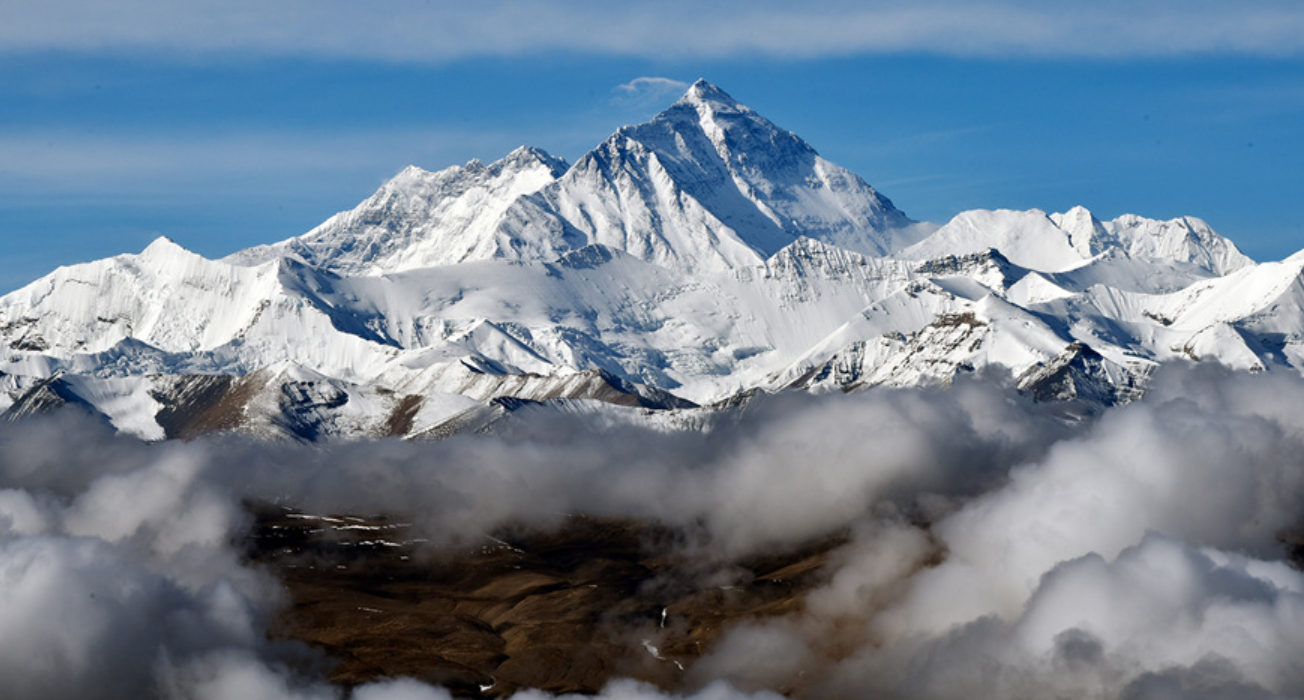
(563,611)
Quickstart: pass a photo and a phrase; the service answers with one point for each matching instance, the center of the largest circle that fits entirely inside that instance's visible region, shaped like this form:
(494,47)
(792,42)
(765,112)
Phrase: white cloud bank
(410,30)
(994,553)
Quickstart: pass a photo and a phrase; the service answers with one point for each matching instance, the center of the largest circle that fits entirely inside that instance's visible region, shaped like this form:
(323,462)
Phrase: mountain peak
(717,182)
(164,247)
(702,93)
(528,152)
(161,242)
(526,156)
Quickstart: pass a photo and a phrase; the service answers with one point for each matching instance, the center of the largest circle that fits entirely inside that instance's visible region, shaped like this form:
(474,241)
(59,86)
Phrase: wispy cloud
(408,30)
(647,92)
(651,84)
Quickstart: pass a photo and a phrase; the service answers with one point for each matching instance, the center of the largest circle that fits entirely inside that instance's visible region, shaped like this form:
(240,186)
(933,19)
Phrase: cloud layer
(992,552)
(415,31)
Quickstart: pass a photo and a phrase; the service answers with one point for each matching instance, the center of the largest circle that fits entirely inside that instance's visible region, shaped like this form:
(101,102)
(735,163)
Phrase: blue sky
(227,124)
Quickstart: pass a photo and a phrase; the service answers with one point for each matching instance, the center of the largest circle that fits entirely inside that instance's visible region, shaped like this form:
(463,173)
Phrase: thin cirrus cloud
(102,162)
(407,30)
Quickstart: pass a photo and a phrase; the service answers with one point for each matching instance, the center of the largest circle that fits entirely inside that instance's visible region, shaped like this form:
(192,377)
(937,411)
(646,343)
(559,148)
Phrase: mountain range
(682,267)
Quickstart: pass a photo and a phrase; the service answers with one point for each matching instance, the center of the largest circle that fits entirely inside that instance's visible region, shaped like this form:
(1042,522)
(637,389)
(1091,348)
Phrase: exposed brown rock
(404,415)
(563,611)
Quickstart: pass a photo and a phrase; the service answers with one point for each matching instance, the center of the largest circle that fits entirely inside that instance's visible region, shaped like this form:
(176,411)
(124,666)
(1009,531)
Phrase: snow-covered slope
(1060,242)
(688,260)
(419,219)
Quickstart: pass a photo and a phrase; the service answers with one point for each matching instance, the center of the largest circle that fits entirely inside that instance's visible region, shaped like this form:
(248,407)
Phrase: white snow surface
(420,219)
(1060,242)
(704,253)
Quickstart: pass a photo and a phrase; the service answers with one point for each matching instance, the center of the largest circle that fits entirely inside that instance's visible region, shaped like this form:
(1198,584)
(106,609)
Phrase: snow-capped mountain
(684,262)
(708,184)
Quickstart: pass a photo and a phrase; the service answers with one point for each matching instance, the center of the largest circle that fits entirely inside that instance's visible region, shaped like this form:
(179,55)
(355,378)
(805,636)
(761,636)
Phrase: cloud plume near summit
(991,551)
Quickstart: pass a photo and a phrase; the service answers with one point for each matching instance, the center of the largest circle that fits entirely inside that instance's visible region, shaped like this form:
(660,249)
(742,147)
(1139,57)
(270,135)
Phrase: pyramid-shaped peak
(164,247)
(1083,228)
(162,243)
(708,94)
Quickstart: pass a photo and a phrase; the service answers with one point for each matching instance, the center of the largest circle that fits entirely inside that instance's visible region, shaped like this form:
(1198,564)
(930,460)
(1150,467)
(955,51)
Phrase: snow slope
(420,219)
(1059,242)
